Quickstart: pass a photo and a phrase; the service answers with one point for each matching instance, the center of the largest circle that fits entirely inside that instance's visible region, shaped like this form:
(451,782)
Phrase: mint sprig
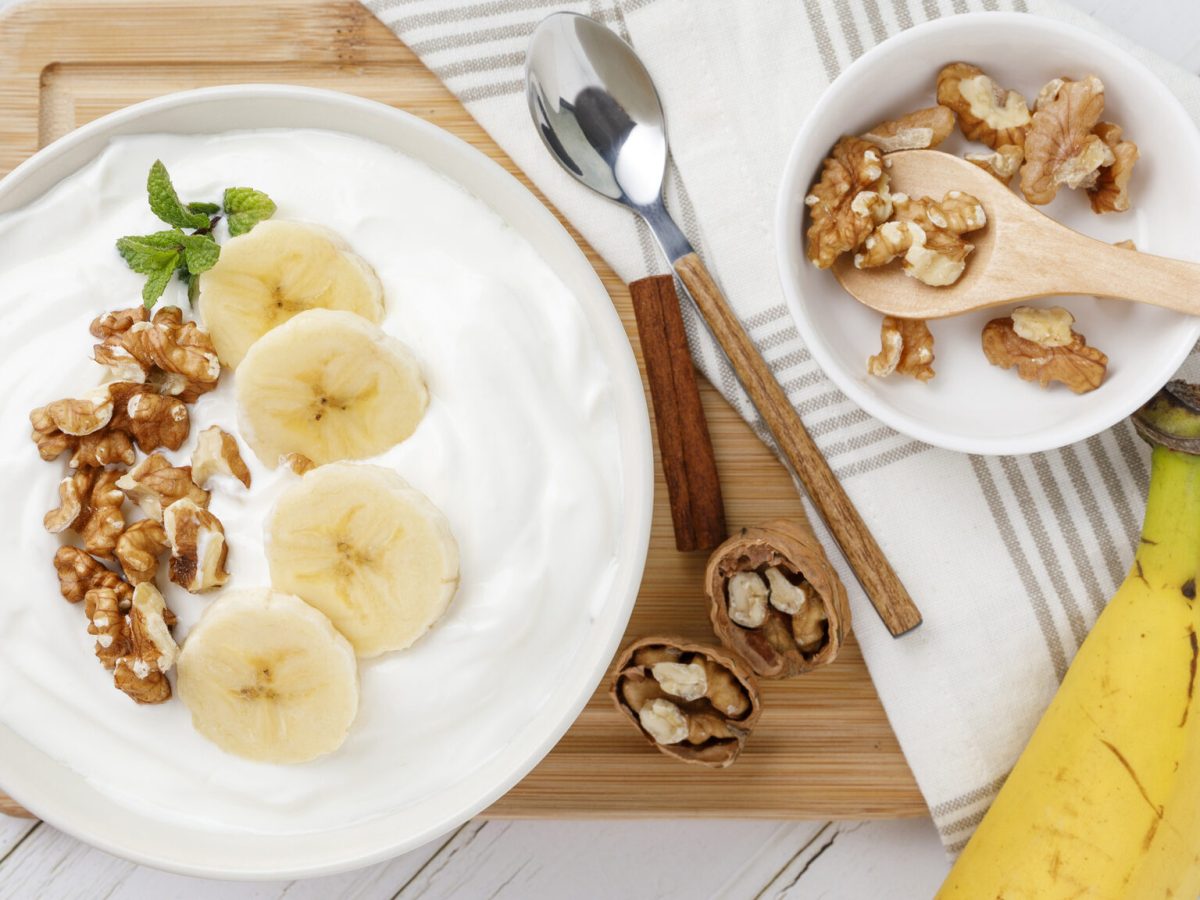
(161,254)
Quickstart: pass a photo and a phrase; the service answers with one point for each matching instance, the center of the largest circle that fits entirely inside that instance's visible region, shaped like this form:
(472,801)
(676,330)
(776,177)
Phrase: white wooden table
(671,858)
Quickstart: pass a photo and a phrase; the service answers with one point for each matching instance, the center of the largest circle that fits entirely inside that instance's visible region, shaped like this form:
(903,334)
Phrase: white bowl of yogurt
(536,446)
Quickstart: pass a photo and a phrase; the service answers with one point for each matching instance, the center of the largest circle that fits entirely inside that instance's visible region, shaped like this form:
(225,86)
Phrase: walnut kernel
(1060,146)
(198,548)
(986,112)
(848,201)
(1044,357)
(157,420)
(907,348)
(78,573)
(1110,193)
(139,548)
(916,131)
(217,453)
(154,484)
(151,651)
(1002,163)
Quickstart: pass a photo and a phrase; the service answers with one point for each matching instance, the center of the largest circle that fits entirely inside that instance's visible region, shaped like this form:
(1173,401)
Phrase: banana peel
(1105,800)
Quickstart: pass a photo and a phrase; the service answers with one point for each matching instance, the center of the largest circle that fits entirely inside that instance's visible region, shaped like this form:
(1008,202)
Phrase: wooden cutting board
(823,748)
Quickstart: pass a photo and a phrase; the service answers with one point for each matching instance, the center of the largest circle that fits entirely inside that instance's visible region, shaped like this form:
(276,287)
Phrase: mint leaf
(159,278)
(200,252)
(207,209)
(165,202)
(245,208)
(150,252)
(193,289)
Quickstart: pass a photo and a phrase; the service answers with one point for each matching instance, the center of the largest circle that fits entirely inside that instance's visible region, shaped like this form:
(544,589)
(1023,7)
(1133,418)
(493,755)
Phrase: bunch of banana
(276,271)
(1105,800)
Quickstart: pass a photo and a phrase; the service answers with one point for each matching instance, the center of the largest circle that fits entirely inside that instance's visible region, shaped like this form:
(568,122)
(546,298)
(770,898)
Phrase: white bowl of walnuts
(1036,101)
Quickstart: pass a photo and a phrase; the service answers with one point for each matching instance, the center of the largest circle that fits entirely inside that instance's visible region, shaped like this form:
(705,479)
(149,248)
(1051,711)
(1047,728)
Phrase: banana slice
(279,269)
(368,550)
(329,385)
(267,677)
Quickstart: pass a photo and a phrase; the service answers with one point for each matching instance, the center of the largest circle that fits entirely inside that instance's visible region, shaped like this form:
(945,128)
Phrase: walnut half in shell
(775,598)
(693,702)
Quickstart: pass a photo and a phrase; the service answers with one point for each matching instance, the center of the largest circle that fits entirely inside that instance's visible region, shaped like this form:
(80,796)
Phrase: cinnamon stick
(693,486)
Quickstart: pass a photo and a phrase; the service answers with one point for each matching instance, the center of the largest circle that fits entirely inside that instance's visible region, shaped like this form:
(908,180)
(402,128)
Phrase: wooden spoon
(1022,253)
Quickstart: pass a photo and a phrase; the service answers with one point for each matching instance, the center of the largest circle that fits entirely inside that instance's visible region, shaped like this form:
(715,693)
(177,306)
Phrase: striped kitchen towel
(1022,552)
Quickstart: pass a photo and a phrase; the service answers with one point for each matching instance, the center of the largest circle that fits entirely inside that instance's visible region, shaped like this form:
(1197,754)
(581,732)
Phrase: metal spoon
(1021,254)
(598,113)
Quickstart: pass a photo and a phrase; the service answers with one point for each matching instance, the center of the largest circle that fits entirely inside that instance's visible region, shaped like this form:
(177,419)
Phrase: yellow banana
(1105,800)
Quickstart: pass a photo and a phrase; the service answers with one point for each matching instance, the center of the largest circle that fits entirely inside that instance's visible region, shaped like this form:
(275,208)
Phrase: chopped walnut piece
(986,112)
(138,549)
(118,321)
(73,494)
(154,484)
(103,520)
(1043,347)
(198,548)
(1003,163)
(907,348)
(1060,147)
(217,453)
(916,131)
(51,442)
(157,420)
(79,572)
(177,348)
(1110,193)
(102,448)
(120,363)
(82,415)
(141,672)
(1126,244)
(850,199)
(926,235)
(693,702)
(107,622)
(297,462)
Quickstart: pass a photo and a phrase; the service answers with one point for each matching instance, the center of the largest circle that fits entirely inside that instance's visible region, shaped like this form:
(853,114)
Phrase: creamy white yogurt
(519,448)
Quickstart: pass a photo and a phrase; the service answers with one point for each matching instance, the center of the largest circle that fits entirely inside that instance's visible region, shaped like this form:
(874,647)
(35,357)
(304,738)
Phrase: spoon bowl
(596,109)
(1020,254)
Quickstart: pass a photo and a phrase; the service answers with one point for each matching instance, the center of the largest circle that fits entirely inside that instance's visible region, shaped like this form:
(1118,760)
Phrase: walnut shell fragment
(807,615)
(693,702)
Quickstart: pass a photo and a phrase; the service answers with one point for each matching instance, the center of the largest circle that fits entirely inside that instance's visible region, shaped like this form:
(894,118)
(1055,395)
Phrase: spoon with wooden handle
(1022,253)
(599,115)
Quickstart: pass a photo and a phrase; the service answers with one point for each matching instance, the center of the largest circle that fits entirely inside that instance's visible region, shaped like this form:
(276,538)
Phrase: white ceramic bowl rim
(795,183)
(67,801)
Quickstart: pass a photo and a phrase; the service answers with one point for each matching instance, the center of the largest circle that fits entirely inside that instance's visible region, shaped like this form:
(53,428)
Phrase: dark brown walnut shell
(784,645)
(717,723)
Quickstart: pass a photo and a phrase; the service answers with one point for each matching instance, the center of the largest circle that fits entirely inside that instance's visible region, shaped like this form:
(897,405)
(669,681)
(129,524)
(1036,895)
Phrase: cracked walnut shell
(986,112)
(907,348)
(1043,347)
(807,616)
(918,130)
(693,702)
(1060,146)
(848,201)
